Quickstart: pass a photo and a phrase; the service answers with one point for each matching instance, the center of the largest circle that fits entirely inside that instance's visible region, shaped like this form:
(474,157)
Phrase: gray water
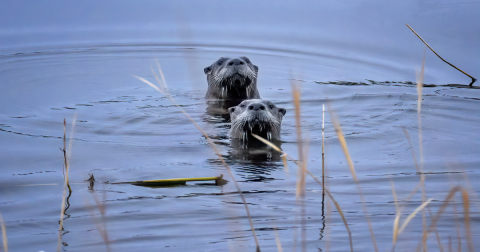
(77,61)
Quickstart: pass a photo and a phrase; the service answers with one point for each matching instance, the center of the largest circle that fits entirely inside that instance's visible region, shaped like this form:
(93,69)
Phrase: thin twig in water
(162,88)
(66,157)
(323,150)
(473,79)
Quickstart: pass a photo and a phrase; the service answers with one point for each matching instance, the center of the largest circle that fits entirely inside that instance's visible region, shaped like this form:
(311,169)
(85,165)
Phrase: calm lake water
(77,61)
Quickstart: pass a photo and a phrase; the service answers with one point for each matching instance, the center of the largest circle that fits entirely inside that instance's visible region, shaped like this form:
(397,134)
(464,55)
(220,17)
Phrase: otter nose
(256,107)
(236,62)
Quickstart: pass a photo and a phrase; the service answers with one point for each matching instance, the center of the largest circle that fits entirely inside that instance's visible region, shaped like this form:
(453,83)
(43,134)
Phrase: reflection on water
(254,150)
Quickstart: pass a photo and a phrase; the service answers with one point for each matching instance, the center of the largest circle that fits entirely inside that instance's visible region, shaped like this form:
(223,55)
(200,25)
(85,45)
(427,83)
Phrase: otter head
(256,116)
(232,78)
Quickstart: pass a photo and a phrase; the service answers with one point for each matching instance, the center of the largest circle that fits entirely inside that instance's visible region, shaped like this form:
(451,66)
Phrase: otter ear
(231,110)
(207,70)
(282,111)
(256,68)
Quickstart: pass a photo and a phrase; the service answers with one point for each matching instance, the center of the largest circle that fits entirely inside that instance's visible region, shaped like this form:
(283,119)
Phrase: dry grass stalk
(4,234)
(466,212)
(323,150)
(450,247)
(410,216)
(284,160)
(396,229)
(337,206)
(473,79)
(397,217)
(444,205)
(437,235)
(277,241)
(343,143)
(301,153)
(420,184)
(422,178)
(472,192)
(420,144)
(66,157)
(457,226)
(100,224)
(162,88)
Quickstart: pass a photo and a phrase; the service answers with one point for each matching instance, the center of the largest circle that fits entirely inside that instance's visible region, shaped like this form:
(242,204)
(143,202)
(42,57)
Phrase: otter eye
(247,60)
(271,106)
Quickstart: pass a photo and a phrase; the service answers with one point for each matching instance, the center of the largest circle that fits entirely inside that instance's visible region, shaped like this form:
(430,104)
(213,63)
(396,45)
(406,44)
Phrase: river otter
(232,79)
(256,116)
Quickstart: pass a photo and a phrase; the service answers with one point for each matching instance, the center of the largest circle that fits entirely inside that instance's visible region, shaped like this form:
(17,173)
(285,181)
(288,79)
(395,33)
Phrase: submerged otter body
(232,79)
(256,116)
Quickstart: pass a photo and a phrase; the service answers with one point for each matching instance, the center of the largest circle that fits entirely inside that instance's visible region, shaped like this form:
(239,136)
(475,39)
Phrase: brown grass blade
(473,79)
(466,211)
(273,146)
(284,159)
(397,217)
(450,247)
(417,166)
(435,219)
(100,223)
(4,234)
(337,206)
(343,143)
(278,242)
(103,230)
(435,229)
(301,153)
(265,141)
(457,226)
(420,144)
(395,231)
(66,157)
(323,149)
(410,216)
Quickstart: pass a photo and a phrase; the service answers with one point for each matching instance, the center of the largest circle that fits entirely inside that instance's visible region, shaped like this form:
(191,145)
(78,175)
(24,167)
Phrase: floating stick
(473,79)
(174,181)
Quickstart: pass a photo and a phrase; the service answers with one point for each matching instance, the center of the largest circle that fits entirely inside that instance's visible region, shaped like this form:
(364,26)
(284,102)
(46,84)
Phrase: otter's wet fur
(232,79)
(256,116)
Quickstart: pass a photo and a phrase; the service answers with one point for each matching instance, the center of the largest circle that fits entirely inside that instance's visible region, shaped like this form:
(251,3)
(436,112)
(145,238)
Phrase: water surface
(77,61)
